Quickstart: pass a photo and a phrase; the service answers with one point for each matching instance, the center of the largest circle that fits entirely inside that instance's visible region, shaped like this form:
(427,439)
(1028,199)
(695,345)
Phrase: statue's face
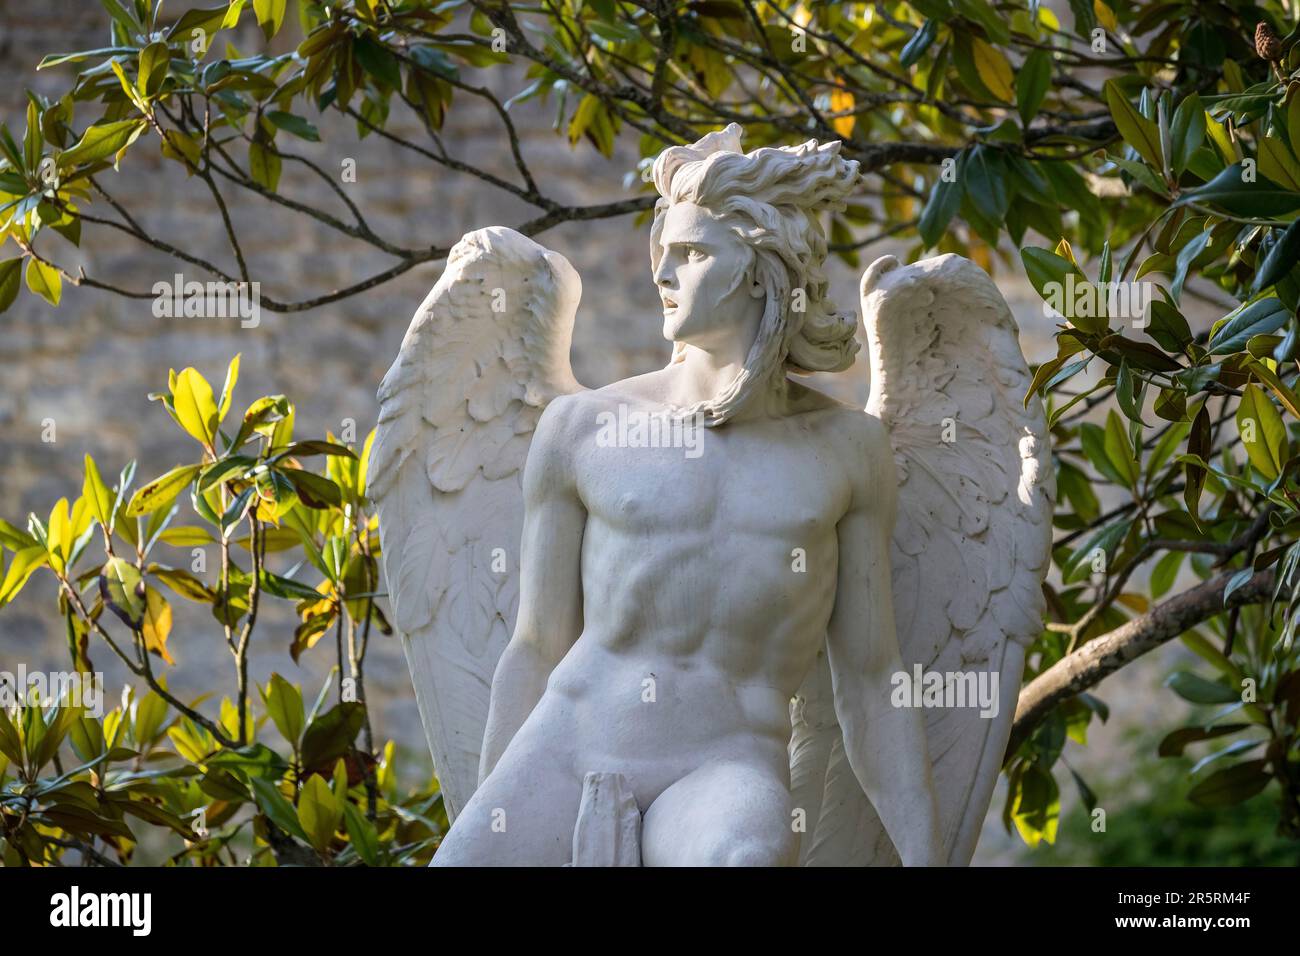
(704,280)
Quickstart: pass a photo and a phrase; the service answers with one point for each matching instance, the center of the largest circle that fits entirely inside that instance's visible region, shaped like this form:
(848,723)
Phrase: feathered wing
(970,550)
(484,354)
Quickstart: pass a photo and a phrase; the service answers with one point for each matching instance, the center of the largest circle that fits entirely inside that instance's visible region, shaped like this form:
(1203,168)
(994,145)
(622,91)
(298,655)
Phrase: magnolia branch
(1099,658)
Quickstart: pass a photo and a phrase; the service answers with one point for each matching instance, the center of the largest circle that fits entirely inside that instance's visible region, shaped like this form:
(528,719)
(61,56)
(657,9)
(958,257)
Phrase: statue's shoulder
(845,422)
(847,432)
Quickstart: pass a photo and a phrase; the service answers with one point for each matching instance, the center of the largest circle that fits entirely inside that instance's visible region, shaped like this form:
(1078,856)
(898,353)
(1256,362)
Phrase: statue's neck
(701,376)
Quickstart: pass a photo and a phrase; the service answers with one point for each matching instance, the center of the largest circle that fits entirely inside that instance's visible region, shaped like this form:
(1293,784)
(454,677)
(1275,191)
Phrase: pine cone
(1267,43)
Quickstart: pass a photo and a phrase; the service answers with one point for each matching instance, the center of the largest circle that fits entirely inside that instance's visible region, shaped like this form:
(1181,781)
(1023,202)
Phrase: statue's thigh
(726,813)
(523,815)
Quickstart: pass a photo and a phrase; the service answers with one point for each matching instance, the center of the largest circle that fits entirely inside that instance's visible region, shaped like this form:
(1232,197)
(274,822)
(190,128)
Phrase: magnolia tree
(1129,157)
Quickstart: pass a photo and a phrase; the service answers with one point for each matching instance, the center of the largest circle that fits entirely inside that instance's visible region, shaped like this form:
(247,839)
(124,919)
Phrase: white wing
(485,352)
(970,549)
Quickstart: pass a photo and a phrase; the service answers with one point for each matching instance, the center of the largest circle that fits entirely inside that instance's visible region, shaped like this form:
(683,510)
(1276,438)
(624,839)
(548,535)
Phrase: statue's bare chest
(766,478)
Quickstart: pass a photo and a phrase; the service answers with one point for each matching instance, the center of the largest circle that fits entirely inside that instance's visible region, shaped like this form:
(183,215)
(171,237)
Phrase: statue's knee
(751,849)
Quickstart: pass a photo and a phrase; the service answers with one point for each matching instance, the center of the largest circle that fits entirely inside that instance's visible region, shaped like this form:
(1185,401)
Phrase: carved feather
(973,527)
(485,352)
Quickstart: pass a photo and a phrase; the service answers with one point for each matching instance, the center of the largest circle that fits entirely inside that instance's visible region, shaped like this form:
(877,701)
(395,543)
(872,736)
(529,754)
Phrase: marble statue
(695,617)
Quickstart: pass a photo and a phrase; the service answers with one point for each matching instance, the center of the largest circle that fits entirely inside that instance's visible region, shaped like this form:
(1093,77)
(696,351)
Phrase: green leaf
(330,735)
(1199,442)
(294,124)
(920,41)
(1176,742)
(1136,130)
(263,165)
(319,811)
(1171,405)
(1127,395)
(1280,260)
(315,490)
(1164,574)
(1186,132)
(1186,256)
(1262,431)
(226,468)
(1105,542)
(1231,785)
(1032,83)
(101,142)
(1197,690)
(378,61)
(362,834)
(1035,804)
(986,182)
(123,591)
(944,201)
(155,59)
(1168,326)
(1047,273)
(276,808)
(1259,318)
(284,703)
(10,281)
(1233,194)
(44,280)
(1092,439)
(1119,450)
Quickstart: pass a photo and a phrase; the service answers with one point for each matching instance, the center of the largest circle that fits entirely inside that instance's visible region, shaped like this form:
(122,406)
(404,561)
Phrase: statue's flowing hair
(771,199)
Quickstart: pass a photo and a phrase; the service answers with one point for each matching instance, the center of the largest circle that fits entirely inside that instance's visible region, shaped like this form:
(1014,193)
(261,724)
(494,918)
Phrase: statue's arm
(885,745)
(550,589)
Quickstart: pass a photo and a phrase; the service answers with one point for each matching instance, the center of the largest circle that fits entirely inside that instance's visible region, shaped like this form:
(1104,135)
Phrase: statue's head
(737,249)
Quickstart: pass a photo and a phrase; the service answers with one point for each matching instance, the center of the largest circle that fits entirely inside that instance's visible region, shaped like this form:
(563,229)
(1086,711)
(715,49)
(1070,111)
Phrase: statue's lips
(669,306)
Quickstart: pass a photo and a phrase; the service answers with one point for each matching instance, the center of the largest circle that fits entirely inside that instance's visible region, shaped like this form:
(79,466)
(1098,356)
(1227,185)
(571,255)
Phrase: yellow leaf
(96,492)
(994,70)
(157,623)
(842,102)
(1277,163)
(44,281)
(1105,16)
(59,534)
(1222,139)
(196,409)
(582,118)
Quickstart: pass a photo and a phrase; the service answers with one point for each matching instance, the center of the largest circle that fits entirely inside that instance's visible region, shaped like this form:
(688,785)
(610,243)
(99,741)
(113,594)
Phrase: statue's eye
(693,254)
